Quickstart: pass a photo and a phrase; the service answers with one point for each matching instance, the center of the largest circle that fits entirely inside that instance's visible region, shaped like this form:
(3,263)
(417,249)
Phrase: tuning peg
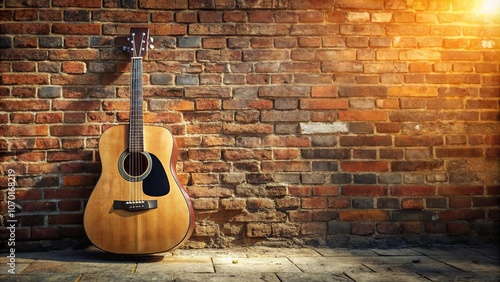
(151,40)
(151,46)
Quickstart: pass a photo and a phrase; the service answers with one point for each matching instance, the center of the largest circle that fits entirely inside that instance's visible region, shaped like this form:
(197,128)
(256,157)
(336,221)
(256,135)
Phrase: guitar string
(140,136)
(131,130)
(138,168)
(132,145)
(136,131)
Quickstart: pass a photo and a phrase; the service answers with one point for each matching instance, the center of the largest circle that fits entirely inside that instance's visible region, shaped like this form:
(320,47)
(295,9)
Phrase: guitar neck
(136,129)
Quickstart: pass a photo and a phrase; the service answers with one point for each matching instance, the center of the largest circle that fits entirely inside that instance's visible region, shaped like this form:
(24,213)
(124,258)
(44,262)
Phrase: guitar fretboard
(136,134)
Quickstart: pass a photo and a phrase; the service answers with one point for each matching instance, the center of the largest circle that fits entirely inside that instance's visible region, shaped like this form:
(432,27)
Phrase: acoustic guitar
(138,205)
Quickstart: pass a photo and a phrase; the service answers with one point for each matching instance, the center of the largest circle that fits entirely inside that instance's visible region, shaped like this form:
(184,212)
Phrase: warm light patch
(490,6)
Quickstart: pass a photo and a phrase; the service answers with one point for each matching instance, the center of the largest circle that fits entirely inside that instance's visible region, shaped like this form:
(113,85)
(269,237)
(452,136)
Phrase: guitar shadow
(89,255)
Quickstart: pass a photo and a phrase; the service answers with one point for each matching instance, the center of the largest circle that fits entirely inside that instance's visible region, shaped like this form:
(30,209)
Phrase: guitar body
(114,225)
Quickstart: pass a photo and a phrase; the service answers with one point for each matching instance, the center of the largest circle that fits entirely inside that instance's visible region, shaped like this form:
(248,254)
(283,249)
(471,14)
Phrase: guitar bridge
(135,205)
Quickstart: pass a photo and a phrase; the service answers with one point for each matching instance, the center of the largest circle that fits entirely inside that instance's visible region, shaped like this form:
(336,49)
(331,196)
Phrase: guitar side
(122,231)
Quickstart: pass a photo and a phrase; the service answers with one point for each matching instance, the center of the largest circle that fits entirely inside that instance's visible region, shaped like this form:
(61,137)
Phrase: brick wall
(299,121)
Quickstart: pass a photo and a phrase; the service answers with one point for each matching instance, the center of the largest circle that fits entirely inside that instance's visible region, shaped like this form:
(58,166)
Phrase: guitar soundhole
(135,166)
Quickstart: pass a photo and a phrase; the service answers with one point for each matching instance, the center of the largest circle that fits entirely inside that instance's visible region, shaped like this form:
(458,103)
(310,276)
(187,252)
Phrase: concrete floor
(452,263)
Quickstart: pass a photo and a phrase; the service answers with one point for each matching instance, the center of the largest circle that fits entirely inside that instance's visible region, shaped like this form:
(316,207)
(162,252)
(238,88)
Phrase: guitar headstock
(139,41)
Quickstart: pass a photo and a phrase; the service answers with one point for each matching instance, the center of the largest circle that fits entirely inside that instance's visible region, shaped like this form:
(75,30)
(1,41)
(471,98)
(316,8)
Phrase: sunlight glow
(490,6)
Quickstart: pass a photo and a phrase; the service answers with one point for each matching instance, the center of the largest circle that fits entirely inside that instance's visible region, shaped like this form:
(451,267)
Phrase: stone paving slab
(176,264)
(330,264)
(111,277)
(313,277)
(41,277)
(388,276)
(251,265)
(328,252)
(76,268)
(476,263)
(426,267)
(396,252)
(242,277)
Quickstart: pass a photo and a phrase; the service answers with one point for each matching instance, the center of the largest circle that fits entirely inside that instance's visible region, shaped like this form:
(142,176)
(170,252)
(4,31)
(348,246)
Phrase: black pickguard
(156,183)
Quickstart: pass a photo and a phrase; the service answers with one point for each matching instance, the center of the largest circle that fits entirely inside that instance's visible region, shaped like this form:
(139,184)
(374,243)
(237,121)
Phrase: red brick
(51,232)
(23,130)
(309,42)
(325,191)
(22,28)
(388,127)
(458,228)
(324,91)
(120,16)
(76,28)
(264,55)
(363,215)
(413,191)
(493,190)
(260,16)
(75,130)
(418,141)
(360,4)
(412,227)
(70,205)
(460,55)
(408,30)
(73,67)
(233,204)
(363,116)
(388,228)
(435,227)
(316,228)
(462,214)
(313,203)
(30,156)
(363,229)
(76,105)
(60,219)
(365,141)
(311,4)
(47,143)
(72,55)
(285,166)
(283,154)
(323,104)
(360,166)
(79,180)
(21,118)
(30,79)
(460,202)
(412,204)
(339,203)
(73,231)
(300,216)
(69,156)
(363,190)
(299,191)
(77,3)
(258,230)
(205,204)
(459,153)
(39,207)
(460,190)
(486,202)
